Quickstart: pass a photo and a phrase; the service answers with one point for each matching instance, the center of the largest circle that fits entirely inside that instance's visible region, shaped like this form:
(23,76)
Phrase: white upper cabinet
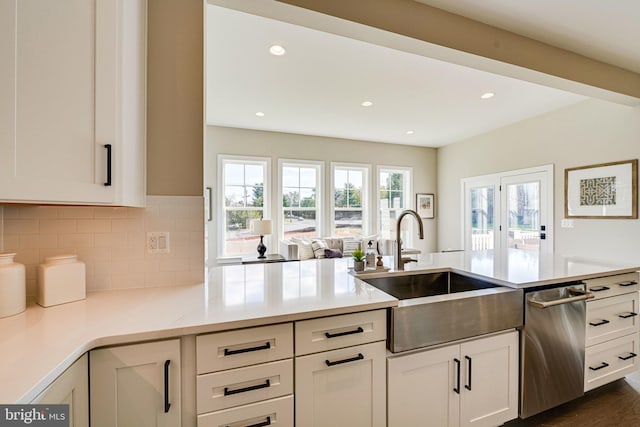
(72,83)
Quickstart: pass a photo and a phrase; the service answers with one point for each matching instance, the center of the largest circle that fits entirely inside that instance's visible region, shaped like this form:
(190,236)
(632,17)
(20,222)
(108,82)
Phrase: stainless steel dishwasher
(553,346)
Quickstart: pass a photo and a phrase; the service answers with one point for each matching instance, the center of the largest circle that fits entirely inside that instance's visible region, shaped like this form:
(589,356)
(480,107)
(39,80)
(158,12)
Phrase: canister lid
(7,258)
(61,259)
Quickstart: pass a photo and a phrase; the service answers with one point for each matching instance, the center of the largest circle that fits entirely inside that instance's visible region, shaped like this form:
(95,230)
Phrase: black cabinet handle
(629,283)
(167,405)
(262,424)
(108,182)
(266,346)
(604,365)
(339,362)
(599,288)
(626,316)
(630,356)
(341,334)
(468,385)
(457,387)
(266,384)
(600,323)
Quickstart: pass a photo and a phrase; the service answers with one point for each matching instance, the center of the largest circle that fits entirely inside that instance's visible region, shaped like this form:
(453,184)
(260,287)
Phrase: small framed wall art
(607,190)
(425,205)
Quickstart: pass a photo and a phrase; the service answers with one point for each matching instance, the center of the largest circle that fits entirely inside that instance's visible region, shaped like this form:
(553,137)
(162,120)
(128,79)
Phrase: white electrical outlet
(158,242)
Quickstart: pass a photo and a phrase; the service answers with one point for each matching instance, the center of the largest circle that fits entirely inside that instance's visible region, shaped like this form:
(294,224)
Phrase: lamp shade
(260,227)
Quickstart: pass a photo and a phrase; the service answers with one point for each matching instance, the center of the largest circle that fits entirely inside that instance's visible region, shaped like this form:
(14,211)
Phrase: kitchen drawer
(610,318)
(610,361)
(328,333)
(240,386)
(277,412)
(603,287)
(227,350)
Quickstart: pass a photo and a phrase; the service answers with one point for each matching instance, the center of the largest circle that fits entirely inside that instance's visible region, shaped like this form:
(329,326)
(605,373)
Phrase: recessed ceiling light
(277,50)
(366,103)
(487,95)
(409,132)
(260,114)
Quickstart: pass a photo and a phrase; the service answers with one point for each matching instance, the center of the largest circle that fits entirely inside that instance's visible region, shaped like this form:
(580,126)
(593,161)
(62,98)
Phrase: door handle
(167,405)
(468,384)
(457,387)
(546,304)
(108,148)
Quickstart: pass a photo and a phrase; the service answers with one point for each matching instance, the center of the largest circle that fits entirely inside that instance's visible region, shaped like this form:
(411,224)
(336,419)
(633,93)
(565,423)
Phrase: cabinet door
(71,388)
(489,394)
(424,388)
(136,385)
(72,79)
(343,387)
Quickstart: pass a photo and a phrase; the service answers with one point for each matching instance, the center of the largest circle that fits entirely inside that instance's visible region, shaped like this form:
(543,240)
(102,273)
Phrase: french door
(509,210)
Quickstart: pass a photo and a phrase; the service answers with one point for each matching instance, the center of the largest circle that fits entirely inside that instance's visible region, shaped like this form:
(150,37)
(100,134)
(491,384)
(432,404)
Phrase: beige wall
(222,140)
(590,132)
(175,97)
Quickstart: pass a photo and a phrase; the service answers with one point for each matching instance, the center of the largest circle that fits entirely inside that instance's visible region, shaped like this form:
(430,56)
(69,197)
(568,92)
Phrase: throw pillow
(318,248)
(332,253)
(305,251)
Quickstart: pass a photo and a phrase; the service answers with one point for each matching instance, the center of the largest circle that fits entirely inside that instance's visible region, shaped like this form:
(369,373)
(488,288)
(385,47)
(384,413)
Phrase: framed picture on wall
(607,191)
(425,205)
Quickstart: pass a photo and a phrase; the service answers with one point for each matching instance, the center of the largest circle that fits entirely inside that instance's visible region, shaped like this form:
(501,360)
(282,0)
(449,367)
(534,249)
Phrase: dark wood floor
(613,405)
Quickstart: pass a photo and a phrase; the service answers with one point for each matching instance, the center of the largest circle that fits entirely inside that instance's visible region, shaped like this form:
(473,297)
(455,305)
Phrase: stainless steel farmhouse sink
(440,307)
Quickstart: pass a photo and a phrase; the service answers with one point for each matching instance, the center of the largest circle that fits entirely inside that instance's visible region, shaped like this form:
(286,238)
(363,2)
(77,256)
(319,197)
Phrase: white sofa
(298,249)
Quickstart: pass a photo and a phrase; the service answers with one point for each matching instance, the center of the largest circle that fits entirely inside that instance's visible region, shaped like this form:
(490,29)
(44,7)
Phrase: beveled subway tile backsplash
(111,241)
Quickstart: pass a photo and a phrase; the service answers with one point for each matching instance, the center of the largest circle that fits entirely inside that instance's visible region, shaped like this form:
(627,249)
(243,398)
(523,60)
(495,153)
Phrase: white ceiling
(317,87)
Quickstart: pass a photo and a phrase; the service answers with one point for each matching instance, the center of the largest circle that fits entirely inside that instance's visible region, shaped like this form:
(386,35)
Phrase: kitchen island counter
(40,343)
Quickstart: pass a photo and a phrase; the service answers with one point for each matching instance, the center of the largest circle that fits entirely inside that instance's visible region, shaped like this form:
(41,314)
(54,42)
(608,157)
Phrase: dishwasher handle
(581,296)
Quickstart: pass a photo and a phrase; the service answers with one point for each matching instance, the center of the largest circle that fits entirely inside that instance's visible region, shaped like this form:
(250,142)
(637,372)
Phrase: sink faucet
(399,261)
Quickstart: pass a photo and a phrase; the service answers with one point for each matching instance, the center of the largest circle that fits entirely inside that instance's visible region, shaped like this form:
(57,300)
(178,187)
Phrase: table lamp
(260,227)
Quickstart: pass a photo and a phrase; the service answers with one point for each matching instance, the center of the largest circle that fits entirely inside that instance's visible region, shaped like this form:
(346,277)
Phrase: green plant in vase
(358,260)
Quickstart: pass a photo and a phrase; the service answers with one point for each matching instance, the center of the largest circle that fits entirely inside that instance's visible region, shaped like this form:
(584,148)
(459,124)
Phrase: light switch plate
(158,242)
(566,223)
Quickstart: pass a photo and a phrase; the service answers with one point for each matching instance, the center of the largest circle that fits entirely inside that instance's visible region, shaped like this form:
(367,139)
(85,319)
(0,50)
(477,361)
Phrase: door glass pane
(523,210)
(482,233)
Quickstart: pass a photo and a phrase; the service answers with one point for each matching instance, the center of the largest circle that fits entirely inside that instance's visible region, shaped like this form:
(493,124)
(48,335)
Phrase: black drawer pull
(604,365)
(262,424)
(629,283)
(341,334)
(630,356)
(266,384)
(228,352)
(457,387)
(339,362)
(628,315)
(599,288)
(600,323)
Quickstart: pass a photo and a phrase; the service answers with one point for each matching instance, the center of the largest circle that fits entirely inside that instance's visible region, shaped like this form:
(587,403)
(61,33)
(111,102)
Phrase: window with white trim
(244,184)
(301,198)
(350,201)
(394,196)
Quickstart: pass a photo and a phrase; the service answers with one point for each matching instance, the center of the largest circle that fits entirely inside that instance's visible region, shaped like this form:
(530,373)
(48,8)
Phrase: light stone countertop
(39,344)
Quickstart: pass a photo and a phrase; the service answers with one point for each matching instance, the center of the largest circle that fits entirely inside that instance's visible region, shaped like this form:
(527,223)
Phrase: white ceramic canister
(13,294)
(61,279)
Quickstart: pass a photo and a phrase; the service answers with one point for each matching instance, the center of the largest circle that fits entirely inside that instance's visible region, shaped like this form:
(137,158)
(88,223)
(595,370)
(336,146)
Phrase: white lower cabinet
(340,371)
(474,383)
(136,385)
(71,388)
